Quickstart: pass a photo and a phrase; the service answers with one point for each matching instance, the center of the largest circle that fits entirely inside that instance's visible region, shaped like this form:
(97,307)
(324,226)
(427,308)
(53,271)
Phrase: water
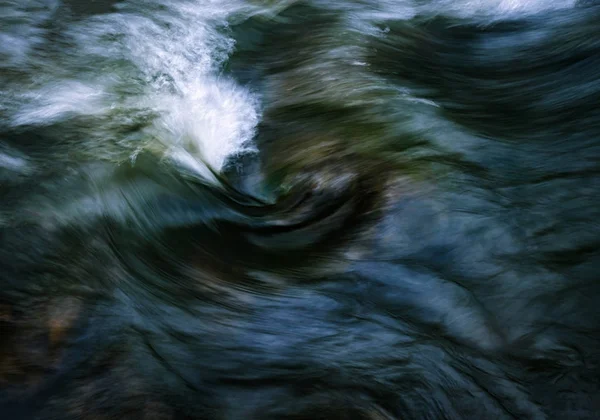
(154,70)
(156,67)
(261,209)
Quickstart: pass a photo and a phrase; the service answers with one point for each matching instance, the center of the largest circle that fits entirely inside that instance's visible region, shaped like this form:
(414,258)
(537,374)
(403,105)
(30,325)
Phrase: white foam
(203,118)
(54,102)
(382,10)
(214,120)
(499,8)
(159,59)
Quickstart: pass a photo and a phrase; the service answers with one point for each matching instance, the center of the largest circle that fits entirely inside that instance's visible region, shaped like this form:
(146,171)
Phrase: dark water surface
(223,209)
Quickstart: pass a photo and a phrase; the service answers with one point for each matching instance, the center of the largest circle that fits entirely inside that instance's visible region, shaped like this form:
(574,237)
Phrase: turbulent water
(134,76)
(140,76)
(262,209)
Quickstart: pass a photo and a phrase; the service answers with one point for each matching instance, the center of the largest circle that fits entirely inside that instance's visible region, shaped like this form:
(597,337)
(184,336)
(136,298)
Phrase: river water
(140,75)
(267,209)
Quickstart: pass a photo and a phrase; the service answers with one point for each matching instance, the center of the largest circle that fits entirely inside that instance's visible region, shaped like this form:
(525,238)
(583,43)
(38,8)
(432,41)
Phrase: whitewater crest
(144,78)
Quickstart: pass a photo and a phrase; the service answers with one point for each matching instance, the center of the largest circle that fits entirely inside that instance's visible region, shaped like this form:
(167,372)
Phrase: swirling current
(299,209)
